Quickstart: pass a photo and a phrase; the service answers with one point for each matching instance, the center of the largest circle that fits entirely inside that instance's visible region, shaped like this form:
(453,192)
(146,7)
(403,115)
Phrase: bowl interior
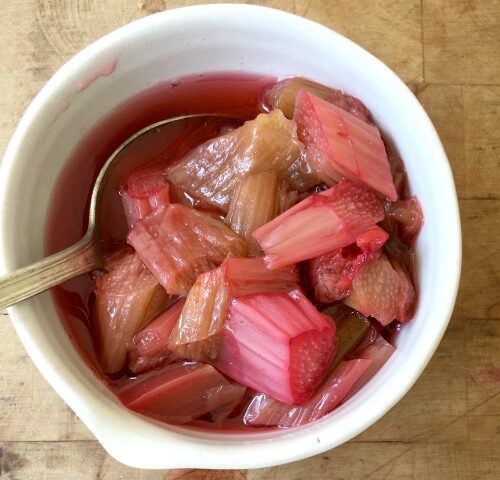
(195,40)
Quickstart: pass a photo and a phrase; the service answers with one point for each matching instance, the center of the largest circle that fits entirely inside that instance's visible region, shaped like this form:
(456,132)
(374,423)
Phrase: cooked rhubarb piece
(213,170)
(330,275)
(408,295)
(128,297)
(374,330)
(352,328)
(380,291)
(177,243)
(246,276)
(378,353)
(319,224)
(149,348)
(342,145)
(287,196)
(282,95)
(255,201)
(399,252)
(278,344)
(372,239)
(144,192)
(303,174)
(265,410)
(179,392)
(397,169)
(408,214)
(350,104)
(196,334)
(221,415)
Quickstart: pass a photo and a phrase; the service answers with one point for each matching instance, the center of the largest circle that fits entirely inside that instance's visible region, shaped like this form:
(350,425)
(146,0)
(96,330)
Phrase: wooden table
(448,426)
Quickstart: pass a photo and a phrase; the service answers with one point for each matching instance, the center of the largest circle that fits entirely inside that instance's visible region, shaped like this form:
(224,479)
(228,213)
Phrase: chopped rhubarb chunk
(197,332)
(265,410)
(246,276)
(342,145)
(287,196)
(330,275)
(278,344)
(399,252)
(397,169)
(196,335)
(143,193)
(408,214)
(282,95)
(149,347)
(303,174)
(350,104)
(254,202)
(372,239)
(179,392)
(319,224)
(352,328)
(380,291)
(213,170)
(178,243)
(408,302)
(378,352)
(128,297)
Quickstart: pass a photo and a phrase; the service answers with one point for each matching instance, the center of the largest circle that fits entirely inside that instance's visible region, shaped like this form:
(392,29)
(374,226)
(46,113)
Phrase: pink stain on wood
(104,71)
(489,374)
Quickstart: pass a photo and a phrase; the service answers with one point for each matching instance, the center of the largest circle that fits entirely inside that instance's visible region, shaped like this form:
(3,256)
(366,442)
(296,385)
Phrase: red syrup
(236,95)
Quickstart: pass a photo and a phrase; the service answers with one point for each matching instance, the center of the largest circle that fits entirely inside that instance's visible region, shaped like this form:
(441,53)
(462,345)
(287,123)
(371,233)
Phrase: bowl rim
(295,444)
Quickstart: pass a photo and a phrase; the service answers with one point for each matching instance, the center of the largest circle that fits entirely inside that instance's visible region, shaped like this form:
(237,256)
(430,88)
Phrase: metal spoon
(82,257)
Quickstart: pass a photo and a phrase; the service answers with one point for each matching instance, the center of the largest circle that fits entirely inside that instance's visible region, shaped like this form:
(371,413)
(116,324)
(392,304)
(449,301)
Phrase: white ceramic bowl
(193,40)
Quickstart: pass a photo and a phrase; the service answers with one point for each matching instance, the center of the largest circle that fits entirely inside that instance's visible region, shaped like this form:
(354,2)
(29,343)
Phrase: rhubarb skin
(319,224)
(213,170)
(144,192)
(264,410)
(255,201)
(149,348)
(342,145)
(278,344)
(179,393)
(127,298)
(196,334)
(178,243)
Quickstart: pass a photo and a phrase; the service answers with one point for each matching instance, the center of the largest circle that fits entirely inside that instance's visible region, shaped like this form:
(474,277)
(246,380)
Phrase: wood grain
(448,426)
(461,41)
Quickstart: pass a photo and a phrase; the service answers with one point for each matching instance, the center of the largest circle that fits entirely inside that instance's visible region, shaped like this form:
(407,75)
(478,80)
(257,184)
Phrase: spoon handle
(40,276)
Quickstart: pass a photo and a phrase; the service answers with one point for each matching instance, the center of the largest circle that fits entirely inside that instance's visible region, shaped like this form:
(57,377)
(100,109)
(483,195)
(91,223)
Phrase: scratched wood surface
(448,426)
